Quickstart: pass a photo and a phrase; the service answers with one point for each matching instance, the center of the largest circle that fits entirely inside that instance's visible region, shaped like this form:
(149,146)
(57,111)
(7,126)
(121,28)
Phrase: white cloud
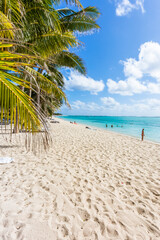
(123,7)
(91,106)
(78,104)
(131,68)
(147,107)
(154,104)
(83,83)
(109,106)
(139,72)
(125,88)
(151,102)
(154,88)
(109,102)
(148,63)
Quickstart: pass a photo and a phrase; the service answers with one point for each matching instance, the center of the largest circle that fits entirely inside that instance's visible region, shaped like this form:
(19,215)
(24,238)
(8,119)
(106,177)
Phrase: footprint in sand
(83,214)
(112,232)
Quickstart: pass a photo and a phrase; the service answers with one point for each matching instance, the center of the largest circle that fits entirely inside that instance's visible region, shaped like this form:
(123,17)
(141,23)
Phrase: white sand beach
(91,185)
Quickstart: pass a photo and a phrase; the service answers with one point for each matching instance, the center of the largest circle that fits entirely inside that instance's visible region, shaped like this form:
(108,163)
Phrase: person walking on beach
(142,134)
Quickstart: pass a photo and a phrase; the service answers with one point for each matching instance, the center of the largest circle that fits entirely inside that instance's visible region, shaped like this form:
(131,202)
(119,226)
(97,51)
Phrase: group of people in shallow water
(73,122)
(142,134)
(112,126)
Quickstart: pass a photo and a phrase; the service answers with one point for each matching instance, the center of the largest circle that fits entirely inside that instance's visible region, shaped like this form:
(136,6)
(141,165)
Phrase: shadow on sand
(9,146)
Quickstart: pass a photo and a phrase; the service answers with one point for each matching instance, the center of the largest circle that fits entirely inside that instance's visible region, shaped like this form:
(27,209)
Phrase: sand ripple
(90,185)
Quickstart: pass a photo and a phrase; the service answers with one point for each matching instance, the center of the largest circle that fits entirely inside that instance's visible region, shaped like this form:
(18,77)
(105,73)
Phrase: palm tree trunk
(30,90)
(39,93)
(38,98)
(16,126)
(45,108)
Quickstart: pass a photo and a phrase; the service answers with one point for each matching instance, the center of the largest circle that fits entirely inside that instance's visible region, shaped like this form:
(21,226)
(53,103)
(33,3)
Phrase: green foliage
(35,43)
(13,101)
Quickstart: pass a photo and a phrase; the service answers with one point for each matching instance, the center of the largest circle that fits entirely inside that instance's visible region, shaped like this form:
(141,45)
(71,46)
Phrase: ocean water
(131,126)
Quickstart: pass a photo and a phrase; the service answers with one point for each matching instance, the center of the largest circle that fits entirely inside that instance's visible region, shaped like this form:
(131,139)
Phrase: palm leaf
(90,12)
(70,60)
(53,42)
(71,2)
(12,99)
(6,24)
(48,84)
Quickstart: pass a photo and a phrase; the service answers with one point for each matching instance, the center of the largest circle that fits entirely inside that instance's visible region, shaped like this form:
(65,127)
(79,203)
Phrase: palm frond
(63,12)
(81,21)
(41,20)
(53,42)
(90,12)
(12,99)
(48,85)
(56,76)
(70,60)
(69,2)
(6,24)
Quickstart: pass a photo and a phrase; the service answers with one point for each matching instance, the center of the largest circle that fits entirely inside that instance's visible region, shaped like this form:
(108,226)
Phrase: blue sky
(122,61)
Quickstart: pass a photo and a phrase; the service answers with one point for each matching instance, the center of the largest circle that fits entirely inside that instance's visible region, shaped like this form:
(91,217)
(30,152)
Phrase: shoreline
(103,129)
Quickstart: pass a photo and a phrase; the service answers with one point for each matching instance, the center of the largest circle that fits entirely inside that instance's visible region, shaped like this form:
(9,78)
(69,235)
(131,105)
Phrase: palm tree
(35,42)
(53,45)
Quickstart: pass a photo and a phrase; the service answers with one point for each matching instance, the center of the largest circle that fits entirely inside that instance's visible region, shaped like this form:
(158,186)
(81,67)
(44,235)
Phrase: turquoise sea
(126,125)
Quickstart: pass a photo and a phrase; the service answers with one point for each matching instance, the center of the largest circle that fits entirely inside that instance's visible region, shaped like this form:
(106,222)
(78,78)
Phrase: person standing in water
(142,134)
